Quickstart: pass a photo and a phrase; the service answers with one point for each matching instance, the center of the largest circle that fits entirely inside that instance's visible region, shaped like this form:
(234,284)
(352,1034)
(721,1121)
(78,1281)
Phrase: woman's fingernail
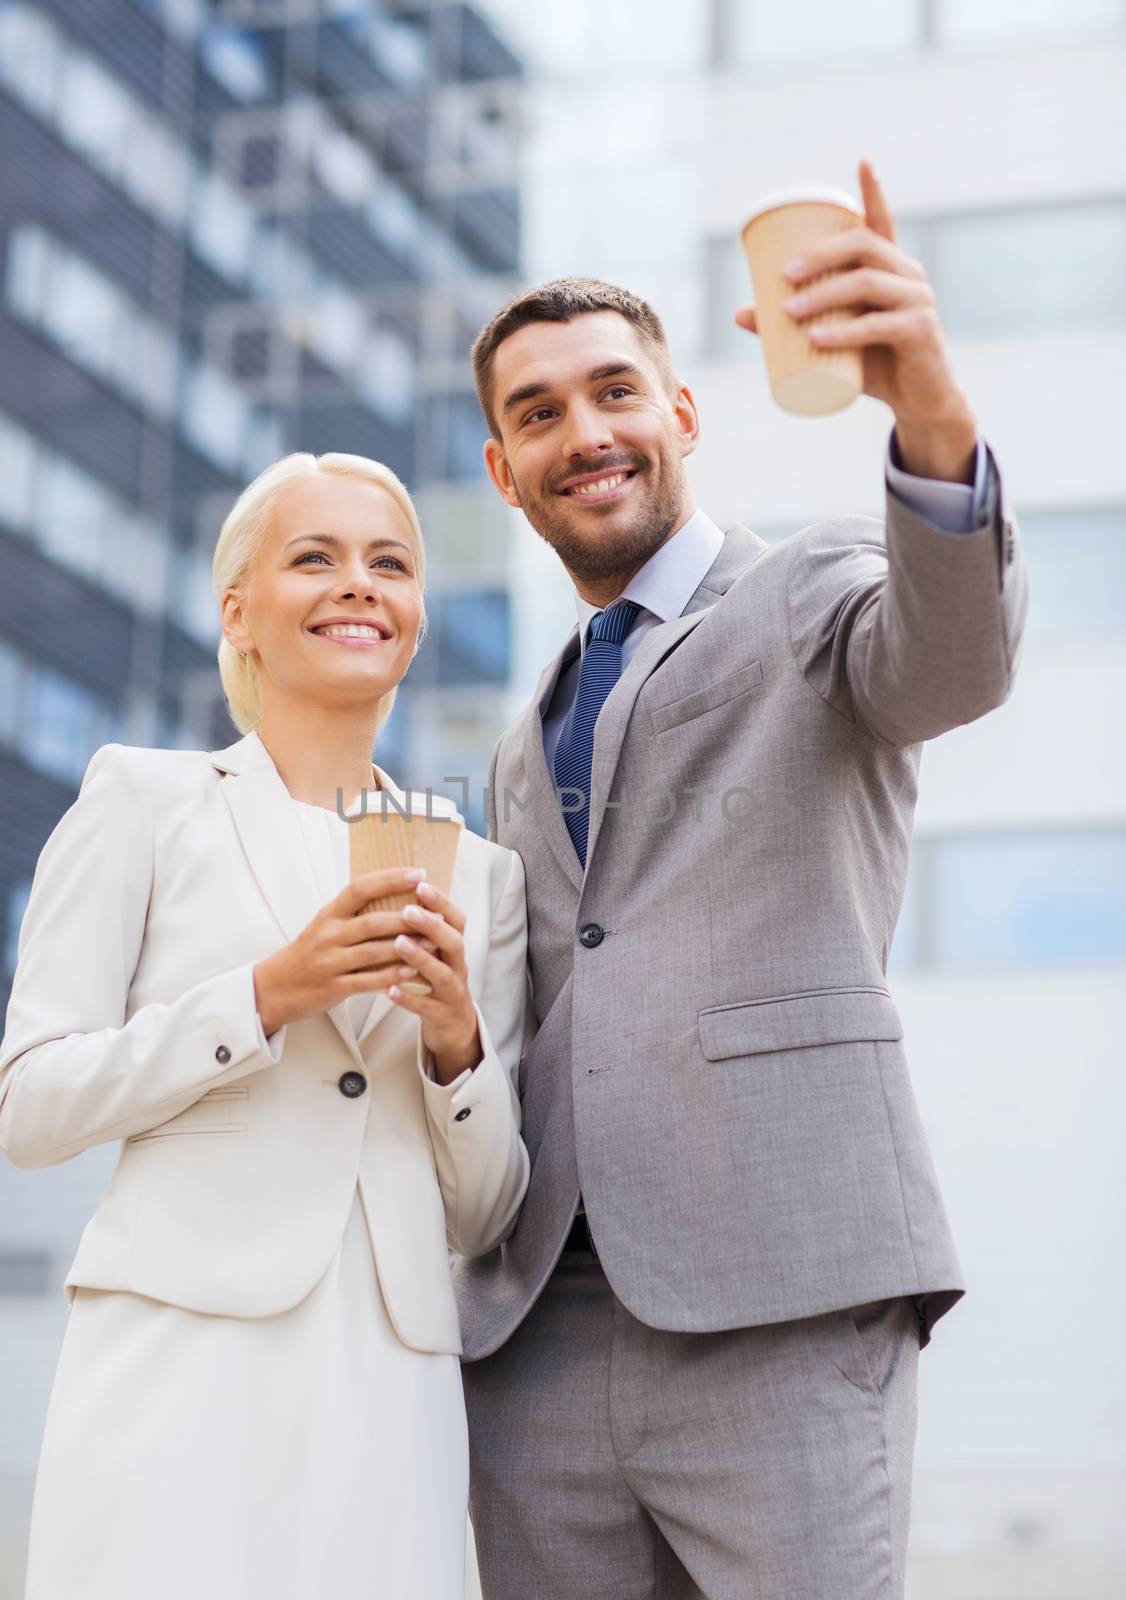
(795,304)
(795,268)
(427,891)
(394,992)
(414,913)
(414,874)
(403,943)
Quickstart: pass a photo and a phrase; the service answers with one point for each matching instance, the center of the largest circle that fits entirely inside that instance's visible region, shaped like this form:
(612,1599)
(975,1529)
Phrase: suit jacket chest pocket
(747,680)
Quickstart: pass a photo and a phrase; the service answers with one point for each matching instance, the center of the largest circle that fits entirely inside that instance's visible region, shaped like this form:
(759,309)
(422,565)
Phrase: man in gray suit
(691,1369)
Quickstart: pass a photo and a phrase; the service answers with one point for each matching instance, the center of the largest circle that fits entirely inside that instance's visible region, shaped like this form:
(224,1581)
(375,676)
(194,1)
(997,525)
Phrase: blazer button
(352,1085)
(591,936)
(462,1114)
(222,1055)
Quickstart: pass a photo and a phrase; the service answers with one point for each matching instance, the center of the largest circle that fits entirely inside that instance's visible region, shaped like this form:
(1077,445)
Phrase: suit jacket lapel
(271,837)
(541,782)
(740,548)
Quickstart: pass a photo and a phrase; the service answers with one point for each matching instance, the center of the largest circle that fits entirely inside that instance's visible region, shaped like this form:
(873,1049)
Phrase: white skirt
(307,1456)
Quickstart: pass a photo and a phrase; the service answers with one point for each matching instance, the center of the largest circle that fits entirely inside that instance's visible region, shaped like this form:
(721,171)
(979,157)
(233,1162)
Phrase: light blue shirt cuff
(953,507)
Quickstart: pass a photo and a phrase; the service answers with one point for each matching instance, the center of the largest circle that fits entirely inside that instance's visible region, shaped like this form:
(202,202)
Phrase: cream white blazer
(132,1017)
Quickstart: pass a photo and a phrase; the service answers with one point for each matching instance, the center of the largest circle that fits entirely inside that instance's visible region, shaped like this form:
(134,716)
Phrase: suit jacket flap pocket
(791,1022)
(710,698)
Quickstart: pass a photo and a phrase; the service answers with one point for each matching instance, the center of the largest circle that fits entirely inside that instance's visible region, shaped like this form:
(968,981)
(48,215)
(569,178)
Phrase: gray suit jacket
(721,1073)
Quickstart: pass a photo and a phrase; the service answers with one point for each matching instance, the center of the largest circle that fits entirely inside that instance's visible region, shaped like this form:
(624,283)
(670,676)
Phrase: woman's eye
(310,555)
(395,562)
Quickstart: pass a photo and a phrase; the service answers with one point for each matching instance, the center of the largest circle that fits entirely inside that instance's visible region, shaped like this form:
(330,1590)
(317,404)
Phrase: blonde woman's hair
(241,538)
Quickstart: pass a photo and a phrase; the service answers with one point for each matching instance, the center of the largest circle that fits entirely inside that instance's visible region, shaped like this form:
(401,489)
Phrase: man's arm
(922,635)
(909,630)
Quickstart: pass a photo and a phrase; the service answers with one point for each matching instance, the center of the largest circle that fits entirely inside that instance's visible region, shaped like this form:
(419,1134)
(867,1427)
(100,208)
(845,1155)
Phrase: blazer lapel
(262,811)
(739,550)
(541,782)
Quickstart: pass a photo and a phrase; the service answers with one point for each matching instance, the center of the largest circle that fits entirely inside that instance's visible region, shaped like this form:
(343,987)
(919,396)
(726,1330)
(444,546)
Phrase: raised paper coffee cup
(805,380)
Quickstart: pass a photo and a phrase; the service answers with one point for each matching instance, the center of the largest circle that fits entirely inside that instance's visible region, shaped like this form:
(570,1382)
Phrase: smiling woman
(304,1087)
(274,511)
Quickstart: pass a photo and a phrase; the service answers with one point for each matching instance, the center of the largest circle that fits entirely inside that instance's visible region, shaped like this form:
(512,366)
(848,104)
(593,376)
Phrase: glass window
(71,517)
(469,639)
(343,165)
(96,114)
(749,32)
(83,312)
(133,561)
(395,218)
(157,172)
(221,225)
(213,415)
(990,19)
(1056,269)
(386,376)
(28,276)
(183,17)
(1028,899)
(60,725)
(236,60)
(17,475)
(1077,560)
(191,602)
(336,328)
(399,49)
(30,56)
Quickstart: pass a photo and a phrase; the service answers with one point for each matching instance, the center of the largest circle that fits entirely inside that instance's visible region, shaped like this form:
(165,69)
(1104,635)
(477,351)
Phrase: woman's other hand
(342,952)
(435,950)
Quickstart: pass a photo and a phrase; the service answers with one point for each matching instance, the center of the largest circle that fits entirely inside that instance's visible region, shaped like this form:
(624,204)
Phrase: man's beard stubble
(591,558)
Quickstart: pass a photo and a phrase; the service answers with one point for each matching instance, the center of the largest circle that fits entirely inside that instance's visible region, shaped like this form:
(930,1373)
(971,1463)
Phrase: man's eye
(619,390)
(534,416)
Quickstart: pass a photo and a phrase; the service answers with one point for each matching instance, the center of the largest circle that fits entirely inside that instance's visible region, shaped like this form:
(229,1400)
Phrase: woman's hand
(340,953)
(436,951)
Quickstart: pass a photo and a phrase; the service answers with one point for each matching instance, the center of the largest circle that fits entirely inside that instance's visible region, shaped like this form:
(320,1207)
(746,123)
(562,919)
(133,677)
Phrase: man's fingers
(904,328)
(858,247)
(866,287)
(877,212)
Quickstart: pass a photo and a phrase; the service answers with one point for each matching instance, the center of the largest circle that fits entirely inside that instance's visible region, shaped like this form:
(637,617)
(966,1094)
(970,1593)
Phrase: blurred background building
(235,228)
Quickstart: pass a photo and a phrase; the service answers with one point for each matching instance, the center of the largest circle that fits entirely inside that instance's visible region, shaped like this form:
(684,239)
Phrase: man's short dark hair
(559,301)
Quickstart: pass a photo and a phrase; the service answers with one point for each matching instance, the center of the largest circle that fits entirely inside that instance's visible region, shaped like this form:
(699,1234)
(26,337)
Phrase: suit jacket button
(352,1085)
(222,1055)
(462,1114)
(591,935)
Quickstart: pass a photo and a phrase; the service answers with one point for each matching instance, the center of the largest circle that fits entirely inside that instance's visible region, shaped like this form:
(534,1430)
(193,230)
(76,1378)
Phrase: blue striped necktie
(601,669)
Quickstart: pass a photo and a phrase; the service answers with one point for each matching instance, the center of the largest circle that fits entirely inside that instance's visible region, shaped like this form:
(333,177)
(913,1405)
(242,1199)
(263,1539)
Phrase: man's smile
(598,490)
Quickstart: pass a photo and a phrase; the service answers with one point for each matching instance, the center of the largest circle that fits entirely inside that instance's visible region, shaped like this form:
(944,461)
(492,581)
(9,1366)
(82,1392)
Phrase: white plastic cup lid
(814,195)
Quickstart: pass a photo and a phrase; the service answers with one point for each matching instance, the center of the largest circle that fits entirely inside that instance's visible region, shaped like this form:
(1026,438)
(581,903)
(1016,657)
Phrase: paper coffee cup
(388,839)
(803,378)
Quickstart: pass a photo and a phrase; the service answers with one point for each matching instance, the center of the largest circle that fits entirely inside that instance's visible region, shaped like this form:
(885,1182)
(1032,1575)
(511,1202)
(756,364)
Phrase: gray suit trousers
(614,1461)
